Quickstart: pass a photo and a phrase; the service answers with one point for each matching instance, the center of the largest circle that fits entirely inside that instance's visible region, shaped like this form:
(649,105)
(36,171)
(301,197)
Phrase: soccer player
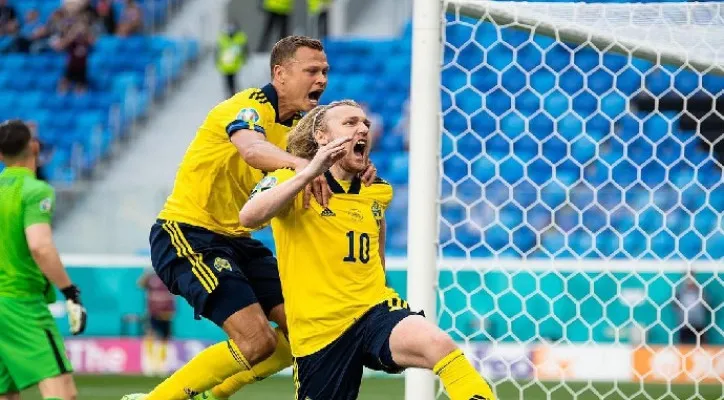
(198,247)
(31,348)
(340,313)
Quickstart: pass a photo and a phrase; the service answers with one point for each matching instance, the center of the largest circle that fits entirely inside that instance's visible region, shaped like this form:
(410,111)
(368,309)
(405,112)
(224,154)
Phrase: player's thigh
(417,342)
(261,269)
(32,349)
(335,372)
(391,342)
(200,266)
(250,331)
(61,386)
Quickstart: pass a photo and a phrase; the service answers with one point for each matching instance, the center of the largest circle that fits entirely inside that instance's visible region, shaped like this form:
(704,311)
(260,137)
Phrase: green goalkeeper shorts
(31,348)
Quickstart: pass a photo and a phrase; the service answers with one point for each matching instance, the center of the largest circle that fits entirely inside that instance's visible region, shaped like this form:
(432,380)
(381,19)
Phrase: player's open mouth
(359,147)
(315,95)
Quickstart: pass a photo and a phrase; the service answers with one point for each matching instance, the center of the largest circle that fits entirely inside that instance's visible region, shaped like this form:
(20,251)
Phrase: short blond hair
(301,141)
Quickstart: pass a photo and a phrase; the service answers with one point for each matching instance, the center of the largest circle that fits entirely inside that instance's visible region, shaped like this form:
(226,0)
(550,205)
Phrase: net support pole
(424,174)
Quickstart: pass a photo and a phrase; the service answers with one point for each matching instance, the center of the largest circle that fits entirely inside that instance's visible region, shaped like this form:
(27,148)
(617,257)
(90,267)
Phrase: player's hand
(320,190)
(76,312)
(369,175)
(326,156)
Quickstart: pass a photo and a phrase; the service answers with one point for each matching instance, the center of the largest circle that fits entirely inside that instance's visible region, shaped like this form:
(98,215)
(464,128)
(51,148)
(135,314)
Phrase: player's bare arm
(267,202)
(42,248)
(45,254)
(262,155)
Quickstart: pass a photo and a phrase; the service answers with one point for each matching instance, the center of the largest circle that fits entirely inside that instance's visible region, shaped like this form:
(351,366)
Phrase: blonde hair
(301,141)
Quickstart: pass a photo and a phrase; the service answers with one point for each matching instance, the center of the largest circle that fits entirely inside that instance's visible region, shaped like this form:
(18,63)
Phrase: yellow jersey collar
(336,188)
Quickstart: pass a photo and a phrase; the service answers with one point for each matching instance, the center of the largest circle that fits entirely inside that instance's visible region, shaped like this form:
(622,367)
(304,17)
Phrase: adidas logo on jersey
(328,213)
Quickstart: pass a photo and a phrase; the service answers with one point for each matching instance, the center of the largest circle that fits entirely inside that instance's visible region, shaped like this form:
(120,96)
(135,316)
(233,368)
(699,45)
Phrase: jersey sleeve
(250,114)
(274,179)
(385,192)
(38,204)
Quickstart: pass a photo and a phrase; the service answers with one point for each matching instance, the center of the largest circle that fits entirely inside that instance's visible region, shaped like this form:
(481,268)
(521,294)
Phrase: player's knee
(440,345)
(256,344)
(266,342)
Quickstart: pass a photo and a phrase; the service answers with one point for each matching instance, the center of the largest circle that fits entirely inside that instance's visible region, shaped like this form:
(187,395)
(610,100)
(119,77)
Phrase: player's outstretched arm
(42,248)
(266,202)
(262,155)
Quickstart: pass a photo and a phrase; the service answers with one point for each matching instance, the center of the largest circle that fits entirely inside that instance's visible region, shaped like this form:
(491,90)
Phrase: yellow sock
(281,359)
(460,379)
(206,370)
(162,351)
(148,348)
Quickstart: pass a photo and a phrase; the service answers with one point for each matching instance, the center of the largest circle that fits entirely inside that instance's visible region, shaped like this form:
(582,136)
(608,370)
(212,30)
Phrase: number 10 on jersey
(363,243)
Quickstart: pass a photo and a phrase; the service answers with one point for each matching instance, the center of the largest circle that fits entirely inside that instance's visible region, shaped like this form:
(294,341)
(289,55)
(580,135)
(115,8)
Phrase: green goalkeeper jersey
(24,201)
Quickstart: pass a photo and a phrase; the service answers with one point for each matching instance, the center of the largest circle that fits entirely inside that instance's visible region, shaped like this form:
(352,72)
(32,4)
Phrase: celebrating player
(340,313)
(31,348)
(198,247)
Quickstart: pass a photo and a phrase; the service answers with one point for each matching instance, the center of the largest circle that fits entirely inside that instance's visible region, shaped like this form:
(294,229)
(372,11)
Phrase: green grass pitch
(112,387)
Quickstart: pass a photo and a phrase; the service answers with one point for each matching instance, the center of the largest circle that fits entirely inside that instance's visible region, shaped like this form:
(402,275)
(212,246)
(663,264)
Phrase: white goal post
(549,163)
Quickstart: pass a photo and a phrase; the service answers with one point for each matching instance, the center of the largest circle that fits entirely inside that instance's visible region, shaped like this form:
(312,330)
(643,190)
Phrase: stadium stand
(126,75)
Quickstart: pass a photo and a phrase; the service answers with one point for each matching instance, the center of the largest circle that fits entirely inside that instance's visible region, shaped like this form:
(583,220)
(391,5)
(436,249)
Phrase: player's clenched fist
(76,312)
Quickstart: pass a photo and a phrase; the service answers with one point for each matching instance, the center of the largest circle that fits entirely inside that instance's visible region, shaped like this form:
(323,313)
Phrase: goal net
(579,196)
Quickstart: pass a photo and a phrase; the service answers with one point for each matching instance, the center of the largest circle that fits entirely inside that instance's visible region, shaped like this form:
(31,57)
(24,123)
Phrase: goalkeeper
(31,348)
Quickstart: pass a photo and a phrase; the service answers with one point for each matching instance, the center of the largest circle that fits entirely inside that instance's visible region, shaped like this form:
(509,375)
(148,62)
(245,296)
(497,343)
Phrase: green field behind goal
(112,387)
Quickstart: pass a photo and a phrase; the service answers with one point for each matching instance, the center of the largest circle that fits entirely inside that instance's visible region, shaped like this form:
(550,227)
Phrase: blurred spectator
(77,43)
(319,11)
(277,15)
(33,34)
(46,152)
(231,50)
(131,21)
(107,15)
(160,308)
(57,25)
(694,312)
(8,19)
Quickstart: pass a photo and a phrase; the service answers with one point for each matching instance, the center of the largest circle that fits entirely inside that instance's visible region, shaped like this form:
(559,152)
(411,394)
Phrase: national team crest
(249,115)
(376,210)
(221,264)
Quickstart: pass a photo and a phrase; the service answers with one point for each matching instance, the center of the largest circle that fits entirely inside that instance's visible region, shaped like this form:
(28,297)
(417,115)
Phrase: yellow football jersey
(213,181)
(329,259)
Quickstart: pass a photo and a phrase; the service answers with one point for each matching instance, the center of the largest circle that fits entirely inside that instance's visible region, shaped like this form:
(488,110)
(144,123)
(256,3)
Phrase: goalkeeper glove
(76,311)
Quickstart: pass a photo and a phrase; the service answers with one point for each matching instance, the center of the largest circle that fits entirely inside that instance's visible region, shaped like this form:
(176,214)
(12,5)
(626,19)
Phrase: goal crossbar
(669,33)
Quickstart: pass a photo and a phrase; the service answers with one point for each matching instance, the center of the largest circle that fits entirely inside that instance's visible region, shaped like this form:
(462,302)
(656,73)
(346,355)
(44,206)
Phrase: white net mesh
(582,197)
